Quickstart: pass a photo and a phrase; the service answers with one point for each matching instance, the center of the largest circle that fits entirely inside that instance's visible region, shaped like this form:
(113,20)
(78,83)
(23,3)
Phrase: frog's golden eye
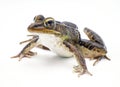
(49,23)
(39,18)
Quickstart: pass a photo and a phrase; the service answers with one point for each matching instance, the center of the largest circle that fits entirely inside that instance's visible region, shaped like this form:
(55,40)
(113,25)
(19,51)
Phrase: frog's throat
(44,30)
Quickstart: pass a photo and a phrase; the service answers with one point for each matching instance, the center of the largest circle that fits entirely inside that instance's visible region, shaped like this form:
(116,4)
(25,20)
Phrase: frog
(64,39)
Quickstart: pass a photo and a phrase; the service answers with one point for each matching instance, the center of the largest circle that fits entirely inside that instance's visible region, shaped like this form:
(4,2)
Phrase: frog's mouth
(39,28)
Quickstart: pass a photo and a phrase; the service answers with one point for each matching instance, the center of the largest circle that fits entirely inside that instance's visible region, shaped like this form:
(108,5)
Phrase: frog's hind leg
(99,59)
(93,36)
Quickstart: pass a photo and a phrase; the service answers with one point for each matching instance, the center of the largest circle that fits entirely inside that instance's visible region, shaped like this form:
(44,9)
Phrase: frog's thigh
(93,36)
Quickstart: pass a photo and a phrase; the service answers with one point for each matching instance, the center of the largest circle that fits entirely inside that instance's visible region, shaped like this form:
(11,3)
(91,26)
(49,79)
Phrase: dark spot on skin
(92,37)
(87,45)
(91,47)
(94,49)
(98,51)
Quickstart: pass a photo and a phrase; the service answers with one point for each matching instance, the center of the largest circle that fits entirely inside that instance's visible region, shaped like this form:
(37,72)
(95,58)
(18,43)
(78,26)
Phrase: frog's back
(69,29)
(70,24)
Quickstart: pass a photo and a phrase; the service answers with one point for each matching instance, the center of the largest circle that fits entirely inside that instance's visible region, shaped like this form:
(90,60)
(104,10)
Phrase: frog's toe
(107,58)
(99,59)
(20,56)
(23,55)
(15,56)
(78,69)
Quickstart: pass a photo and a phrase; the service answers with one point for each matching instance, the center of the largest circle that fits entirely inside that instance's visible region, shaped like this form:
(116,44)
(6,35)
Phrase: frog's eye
(39,18)
(49,23)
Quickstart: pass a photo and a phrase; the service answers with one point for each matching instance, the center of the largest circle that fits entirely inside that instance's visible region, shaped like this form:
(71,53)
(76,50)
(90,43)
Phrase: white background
(47,69)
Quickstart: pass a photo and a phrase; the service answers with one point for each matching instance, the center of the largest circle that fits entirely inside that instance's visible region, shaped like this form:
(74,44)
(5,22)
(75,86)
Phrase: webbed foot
(23,55)
(99,59)
(78,69)
(26,50)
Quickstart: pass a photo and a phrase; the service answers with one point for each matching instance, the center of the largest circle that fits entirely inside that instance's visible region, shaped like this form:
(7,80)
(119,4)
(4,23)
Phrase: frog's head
(43,25)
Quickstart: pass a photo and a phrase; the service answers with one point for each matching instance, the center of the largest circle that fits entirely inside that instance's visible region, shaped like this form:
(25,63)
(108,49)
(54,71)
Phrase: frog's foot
(107,58)
(99,59)
(22,55)
(78,69)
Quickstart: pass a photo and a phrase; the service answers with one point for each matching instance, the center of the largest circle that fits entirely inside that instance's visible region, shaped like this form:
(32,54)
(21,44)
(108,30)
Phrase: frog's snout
(30,26)
(34,26)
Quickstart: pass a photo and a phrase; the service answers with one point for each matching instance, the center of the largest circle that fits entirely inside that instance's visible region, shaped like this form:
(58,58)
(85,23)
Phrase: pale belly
(62,50)
(55,44)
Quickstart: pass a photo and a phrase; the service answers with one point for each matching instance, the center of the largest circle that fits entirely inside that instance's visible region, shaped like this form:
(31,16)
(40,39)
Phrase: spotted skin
(65,37)
(93,48)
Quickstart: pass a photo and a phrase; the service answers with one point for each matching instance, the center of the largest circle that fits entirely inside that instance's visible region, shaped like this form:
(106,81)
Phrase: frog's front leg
(81,68)
(35,37)
(26,50)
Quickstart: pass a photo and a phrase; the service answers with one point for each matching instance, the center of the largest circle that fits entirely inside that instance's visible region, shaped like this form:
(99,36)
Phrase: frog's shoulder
(70,24)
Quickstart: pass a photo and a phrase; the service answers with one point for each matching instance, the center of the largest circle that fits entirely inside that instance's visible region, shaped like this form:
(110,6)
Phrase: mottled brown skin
(96,48)
(71,39)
